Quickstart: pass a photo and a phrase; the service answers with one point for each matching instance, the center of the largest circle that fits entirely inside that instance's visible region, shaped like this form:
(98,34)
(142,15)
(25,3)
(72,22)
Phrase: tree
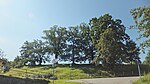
(75,45)
(132,52)
(108,37)
(55,39)
(4,63)
(78,44)
(27,52)
(34,52)
(86,40)
(141,17)
(40,52)
(147,59)
(19,61)
(98,25)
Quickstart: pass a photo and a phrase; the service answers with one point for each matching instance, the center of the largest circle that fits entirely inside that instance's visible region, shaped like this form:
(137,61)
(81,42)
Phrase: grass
(60,72)
(65,82)
(64,72)
(143,80)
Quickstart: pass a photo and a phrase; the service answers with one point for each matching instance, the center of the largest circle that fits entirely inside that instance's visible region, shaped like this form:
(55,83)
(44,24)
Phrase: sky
(25,20)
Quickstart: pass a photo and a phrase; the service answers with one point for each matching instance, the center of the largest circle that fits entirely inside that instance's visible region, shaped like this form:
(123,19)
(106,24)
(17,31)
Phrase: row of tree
(103,40)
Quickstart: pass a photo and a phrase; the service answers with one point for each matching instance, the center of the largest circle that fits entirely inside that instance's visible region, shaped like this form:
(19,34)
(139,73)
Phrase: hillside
(61,72)
(64,72)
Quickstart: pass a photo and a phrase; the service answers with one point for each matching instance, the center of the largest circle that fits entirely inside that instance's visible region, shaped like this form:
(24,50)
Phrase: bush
(5,67)
(143,80)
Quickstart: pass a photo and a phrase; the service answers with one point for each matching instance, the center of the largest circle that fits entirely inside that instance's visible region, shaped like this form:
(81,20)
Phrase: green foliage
(33,52)
(98,26)
(143,80)
(19,61)
(108,37)
(86,42)
(5,67)
(75,44)
(79,45)
(141,16)
(132,52)
(40,52)
(4,63)
(55,39)
(103,40)
(147,59)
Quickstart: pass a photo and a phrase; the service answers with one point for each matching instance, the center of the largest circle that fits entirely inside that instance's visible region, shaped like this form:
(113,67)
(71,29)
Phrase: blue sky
(24,20)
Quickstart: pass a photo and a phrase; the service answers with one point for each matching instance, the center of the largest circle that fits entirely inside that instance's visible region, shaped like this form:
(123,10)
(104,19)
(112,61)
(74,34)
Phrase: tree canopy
(108,37)
(103,40)
(141,17)
(34,52)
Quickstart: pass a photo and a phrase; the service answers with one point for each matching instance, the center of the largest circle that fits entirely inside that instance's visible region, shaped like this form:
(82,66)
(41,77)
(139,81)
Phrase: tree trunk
(40,61)
(73,60)
(92,54)
(90,61)
(56,57)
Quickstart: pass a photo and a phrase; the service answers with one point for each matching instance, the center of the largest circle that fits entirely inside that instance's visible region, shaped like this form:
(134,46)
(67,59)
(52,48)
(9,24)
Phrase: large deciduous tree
(74,44)
(34,52)
(108,36)
(55,39)
(40,51)
(79,45)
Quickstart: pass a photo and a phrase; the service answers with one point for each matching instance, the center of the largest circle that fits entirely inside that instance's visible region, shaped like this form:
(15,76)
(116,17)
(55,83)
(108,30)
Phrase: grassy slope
(59,72)
(144,80)
(63,73)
